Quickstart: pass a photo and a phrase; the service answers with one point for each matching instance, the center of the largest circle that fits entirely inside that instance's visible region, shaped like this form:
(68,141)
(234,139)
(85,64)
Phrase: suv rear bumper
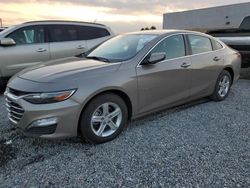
(245,58)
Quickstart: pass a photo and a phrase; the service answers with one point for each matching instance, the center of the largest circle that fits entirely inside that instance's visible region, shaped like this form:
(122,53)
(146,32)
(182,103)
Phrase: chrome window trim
(139,64)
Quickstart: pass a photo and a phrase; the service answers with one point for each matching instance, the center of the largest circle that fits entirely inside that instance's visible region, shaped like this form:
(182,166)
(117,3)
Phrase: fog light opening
(44,122)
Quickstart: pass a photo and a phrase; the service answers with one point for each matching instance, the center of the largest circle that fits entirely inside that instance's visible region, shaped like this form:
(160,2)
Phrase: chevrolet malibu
(126,77)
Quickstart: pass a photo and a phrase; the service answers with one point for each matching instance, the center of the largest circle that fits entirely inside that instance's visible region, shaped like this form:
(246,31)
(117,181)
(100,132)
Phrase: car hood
(66,69)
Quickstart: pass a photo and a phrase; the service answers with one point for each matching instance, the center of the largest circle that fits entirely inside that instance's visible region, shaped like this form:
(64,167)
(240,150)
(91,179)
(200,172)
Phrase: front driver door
(168,81)
(29,50)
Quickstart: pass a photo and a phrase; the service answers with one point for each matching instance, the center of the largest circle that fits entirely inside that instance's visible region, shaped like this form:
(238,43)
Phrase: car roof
(62,21)
(167,32)
(153,32)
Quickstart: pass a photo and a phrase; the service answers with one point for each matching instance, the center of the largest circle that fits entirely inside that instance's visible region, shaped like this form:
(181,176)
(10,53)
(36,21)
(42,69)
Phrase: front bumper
(24,115)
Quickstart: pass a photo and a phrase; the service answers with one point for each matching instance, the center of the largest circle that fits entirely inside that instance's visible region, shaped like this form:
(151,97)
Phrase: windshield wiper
(98,58)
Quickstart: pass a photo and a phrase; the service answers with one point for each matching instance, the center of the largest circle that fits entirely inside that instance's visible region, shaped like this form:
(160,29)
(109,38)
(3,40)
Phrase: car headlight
(46,98)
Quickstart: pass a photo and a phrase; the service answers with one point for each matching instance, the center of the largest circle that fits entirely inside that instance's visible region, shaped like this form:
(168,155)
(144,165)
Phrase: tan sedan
(126,77)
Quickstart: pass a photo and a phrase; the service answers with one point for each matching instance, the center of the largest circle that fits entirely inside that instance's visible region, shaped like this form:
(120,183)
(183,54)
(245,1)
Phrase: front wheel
(103,119)
(223,86)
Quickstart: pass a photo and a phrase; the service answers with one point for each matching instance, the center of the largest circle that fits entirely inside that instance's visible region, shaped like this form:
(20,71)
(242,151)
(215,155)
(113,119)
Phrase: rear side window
(28,35)
(200,44)
(90,32)
(62,33)
(173,46)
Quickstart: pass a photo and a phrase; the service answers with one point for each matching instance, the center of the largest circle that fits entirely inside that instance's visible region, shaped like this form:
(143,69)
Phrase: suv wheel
(223,86)
(103,119)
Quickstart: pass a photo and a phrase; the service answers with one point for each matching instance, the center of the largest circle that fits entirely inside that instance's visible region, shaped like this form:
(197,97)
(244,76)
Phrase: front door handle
(80,47)
(217,58)
(186,65)
(41,50)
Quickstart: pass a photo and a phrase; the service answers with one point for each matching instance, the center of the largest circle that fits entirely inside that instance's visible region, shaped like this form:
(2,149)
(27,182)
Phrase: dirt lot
(245,73)
(201,145)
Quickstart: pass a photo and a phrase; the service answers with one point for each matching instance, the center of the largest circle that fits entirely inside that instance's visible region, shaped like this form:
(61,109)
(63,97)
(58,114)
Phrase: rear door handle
(186,65)
(217,59)
(41,50)
(80,47)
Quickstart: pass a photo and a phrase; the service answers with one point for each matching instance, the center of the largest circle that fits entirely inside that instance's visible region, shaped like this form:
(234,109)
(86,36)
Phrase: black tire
(216,96)
(85,121)
(2,87)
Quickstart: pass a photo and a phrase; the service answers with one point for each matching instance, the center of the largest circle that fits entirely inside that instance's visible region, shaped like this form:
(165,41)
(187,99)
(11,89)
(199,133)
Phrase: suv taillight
(238,54)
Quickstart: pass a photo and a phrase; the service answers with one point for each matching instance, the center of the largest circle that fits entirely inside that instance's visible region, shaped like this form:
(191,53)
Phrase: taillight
(238,54)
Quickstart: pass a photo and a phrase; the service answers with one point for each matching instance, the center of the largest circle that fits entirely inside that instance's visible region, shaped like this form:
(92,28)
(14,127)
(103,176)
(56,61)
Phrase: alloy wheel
(224,86)
(106,119)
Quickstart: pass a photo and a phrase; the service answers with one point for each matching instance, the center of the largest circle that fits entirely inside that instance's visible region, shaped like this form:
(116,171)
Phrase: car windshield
(121,48)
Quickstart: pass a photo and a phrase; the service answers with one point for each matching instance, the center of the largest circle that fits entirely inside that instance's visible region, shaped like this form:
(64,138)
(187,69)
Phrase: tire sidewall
(85,121)
(216,95)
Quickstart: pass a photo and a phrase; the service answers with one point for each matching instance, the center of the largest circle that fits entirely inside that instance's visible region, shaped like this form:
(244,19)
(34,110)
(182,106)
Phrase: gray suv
(33,42)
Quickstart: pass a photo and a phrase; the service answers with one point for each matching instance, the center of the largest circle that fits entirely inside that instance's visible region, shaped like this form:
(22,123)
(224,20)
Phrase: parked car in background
(2,28)
(126,77)
(238,39)
(31,43)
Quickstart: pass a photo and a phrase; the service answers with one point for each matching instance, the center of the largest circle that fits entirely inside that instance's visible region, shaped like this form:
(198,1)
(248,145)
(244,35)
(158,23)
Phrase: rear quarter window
(91,32)
(216,45)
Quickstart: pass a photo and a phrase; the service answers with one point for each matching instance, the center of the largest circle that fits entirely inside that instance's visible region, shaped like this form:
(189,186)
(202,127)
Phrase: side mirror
(7,42)
(155,58)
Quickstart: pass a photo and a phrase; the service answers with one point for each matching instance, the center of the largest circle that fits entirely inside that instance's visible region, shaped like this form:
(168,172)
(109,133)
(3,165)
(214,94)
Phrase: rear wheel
(223,86)
(103,119)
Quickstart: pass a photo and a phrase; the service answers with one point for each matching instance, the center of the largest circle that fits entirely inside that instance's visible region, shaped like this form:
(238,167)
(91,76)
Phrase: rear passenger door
(205,65)
(64,41)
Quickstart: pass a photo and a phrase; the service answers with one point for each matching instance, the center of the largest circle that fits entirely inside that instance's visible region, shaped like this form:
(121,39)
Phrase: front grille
(15,111)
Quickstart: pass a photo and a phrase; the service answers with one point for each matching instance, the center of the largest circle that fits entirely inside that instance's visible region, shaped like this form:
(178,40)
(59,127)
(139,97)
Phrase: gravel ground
(245,73)
(201,145)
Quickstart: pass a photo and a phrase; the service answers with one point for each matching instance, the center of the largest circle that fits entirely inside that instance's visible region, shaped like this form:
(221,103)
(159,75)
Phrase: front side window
(200,44)
(173,47)
(122,47)
(28,35)
(62,33)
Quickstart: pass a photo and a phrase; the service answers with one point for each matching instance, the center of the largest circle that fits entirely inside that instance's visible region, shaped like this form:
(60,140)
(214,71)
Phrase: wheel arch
(231,72)
(115,91)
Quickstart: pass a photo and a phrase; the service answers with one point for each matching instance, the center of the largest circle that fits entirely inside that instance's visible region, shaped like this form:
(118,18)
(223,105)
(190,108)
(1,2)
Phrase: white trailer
(214,18)
(230,23)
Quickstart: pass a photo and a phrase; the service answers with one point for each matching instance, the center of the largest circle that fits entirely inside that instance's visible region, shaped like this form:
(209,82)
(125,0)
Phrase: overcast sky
(120,15)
